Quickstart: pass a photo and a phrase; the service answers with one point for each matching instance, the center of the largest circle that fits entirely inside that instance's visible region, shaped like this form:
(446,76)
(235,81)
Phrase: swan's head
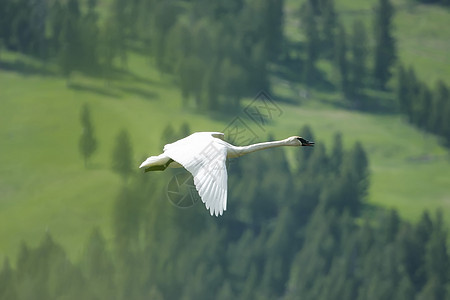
(299,141)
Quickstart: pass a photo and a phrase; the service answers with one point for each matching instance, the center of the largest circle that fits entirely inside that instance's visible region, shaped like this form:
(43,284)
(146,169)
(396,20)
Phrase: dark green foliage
(385,49)
(109,44)
(337,153)
(90,37)
(312,43)
(88,142)
(427,109)
(439,118)
(97,265)
(222,57)
(442,2)
(358,63)
(46,273)
(329,25)
(286,235)
(122,157)
(341,60)
(7,282)
(70,54)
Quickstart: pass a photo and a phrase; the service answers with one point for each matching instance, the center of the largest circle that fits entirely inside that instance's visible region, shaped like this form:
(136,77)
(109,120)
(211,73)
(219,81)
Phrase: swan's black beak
(306,142)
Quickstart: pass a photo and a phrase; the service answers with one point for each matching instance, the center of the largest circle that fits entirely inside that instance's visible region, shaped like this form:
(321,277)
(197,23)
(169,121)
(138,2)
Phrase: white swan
(204,155)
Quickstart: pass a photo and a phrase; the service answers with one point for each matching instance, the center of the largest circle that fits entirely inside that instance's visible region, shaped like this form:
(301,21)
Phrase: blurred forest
(220,51)
(289,234)
(303,232)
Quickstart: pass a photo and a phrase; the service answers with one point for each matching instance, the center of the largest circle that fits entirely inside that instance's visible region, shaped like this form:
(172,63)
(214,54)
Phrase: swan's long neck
(236,151)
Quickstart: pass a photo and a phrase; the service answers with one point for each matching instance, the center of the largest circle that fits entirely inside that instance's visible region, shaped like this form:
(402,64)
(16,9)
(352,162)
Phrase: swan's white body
(204,155)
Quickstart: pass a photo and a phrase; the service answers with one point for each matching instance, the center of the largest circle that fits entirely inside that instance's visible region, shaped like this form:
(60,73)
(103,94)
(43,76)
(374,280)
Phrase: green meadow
(44,185)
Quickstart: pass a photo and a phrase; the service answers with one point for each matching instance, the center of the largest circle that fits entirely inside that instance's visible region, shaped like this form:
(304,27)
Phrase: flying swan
(204,155)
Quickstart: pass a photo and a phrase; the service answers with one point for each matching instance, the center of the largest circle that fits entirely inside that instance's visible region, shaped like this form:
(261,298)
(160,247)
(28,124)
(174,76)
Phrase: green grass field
(44,185)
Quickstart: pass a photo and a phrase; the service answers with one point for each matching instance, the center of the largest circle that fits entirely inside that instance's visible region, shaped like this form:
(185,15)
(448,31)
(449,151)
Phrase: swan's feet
(159,168)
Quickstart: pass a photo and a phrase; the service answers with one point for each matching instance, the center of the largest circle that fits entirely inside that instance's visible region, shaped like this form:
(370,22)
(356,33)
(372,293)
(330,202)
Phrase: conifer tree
(337,154)
(275,22)
(88,142)
(122,158)
(440,117)
(402,90)
(329,26)
(341,60)
(7,282)
(98,267)
(89,38)
(312,43)
(359,51)
(385,49)
(108,47)
(412,88)
(422,106)
(70,53)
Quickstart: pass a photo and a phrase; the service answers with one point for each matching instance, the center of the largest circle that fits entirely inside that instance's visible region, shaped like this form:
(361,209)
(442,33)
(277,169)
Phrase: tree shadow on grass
(25,68)
(123,74)
(377,102)
(143,93)
(94,89)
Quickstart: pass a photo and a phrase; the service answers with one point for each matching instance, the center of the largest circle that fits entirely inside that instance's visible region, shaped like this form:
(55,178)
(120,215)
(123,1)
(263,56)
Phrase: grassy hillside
(44,185)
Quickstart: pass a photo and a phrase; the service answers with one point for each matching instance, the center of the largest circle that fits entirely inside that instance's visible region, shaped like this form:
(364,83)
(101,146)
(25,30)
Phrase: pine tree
(56,22)
(168,135)
(89,37)
(122,158)
(7,282)
(312,43)
(210,96)
(122,18)
(337,154)
(439,120)
(341,60)
(274,21)
(385,49)
(98,267)
(421,106)
(232,84)
(192,72)
(88,142)
(356,166)
(185,130)
(412,88)
(402,90)
(329,26)
(358,65)
(437,260)
(109,45)
(70,52)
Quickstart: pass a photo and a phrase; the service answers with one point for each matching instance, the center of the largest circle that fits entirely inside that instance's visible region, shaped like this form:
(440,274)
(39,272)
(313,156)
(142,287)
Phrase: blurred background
(90,88)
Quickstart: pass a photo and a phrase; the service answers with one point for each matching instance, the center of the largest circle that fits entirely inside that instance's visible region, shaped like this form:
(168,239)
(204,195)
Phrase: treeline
(217,50)
(348,51)
(287,234)
(428,109)
(443,2)
(59,31)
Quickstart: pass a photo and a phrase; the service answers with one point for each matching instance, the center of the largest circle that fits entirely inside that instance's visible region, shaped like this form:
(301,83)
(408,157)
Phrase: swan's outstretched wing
(204,156)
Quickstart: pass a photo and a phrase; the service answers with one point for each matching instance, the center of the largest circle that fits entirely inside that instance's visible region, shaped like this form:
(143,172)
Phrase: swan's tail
(154,161)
